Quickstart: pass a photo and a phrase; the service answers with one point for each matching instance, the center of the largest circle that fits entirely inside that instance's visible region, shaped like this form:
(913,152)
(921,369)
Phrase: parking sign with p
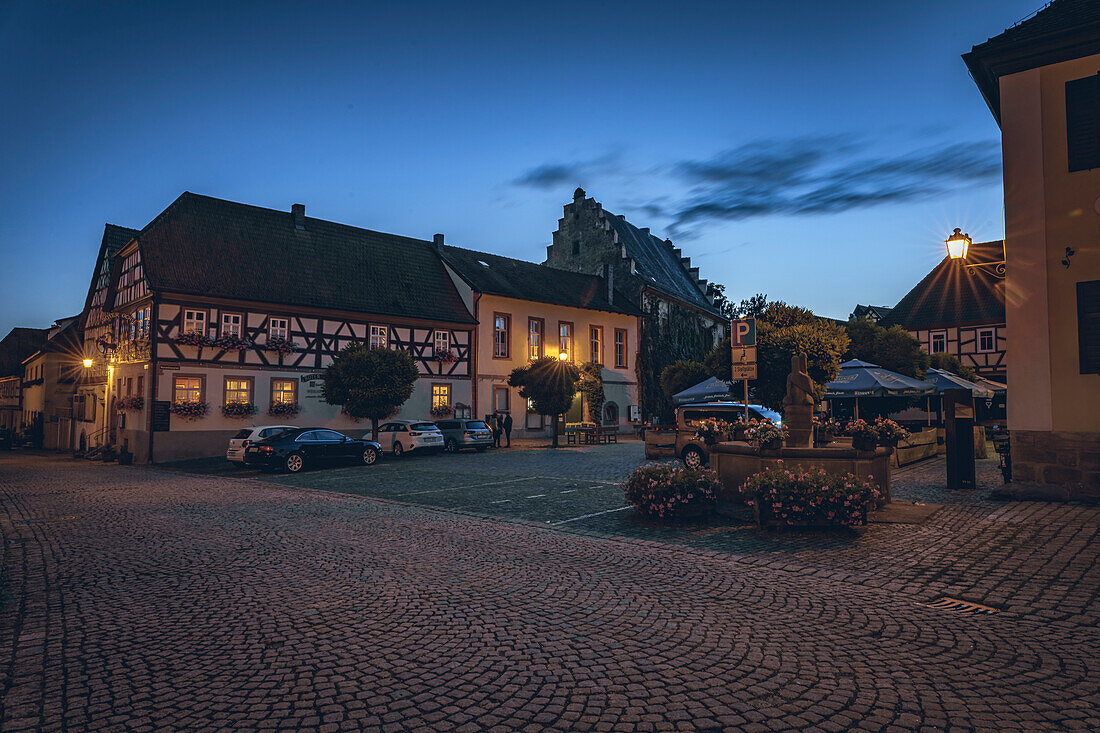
(743,332)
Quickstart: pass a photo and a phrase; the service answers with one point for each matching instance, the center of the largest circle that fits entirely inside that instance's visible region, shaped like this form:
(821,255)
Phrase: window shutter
(1088,326)
(1083,123)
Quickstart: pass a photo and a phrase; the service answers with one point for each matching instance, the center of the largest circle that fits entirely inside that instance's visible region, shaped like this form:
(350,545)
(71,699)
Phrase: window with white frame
(441,396)
(595,337)
(987,339)
(187,389)
(231,324)
(939,342)
(442,342)
(379,337)
(501,339)
(283,391)
(277,328)
(238,390)
(194,322)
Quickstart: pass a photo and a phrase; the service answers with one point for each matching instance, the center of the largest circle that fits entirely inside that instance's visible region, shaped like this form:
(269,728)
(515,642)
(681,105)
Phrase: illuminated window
(187,389)
(535,327)
(620,348)
(277,328)
(565,339)
(501,323)
(194,322)
(595,338)
(238,390)
(441,396)
(283,391)
(379,337)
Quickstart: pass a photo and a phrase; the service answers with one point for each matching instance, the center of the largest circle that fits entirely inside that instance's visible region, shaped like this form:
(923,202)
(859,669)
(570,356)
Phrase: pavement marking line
(535,496)
(502,501)
(469,486)
(569,492)
(593,514)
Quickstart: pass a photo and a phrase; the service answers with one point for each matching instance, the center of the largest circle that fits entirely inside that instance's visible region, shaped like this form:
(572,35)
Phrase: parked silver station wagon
(459,434)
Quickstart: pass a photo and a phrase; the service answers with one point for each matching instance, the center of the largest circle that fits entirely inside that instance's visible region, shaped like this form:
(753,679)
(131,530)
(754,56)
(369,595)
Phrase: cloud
(554,175)
(821,175)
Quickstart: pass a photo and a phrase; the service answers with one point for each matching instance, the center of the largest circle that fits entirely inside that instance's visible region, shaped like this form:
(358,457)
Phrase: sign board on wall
(635,413)
(162,418)
(313,385)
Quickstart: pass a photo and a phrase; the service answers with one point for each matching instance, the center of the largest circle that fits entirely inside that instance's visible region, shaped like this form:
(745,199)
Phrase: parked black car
(300,447)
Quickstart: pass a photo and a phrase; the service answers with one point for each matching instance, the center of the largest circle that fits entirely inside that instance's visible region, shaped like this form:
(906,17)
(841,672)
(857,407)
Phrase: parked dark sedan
(297,448)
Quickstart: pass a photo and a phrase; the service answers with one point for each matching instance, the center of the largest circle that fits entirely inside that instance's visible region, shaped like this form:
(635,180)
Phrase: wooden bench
(607,434)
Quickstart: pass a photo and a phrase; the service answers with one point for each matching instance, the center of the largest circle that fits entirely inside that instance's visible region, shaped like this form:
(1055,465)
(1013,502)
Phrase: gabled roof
(872,311)
(511,278)
(659,263)
(17,346)
(114,239)
(953,294)
(201,245)
(1062,30)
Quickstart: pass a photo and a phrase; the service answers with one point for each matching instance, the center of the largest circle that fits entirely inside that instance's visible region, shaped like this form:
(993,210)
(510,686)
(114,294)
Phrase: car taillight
(266,449)
(415,435)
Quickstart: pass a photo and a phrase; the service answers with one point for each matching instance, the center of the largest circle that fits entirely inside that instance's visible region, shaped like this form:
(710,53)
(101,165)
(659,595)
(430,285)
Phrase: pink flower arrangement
(193,338)
(232,342)
(441,411)
(189,409)
(132,403)
(765,433)
(889,432)
(281,344)
(665,490)
(864,435)
(283,408)
(238,409)
(799,495)
(710,430)
(446,357)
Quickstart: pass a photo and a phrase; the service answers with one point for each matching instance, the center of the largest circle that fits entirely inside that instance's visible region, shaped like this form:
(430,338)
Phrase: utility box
(959,438)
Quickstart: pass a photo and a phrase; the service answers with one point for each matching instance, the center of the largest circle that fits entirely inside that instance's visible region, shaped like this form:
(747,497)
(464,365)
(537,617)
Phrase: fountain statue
(798,404)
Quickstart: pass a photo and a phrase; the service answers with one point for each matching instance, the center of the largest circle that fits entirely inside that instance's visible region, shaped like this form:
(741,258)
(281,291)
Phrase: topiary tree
(370,384)
(951,363)
(591,386)
(891,348)
(550,384)
(680,375)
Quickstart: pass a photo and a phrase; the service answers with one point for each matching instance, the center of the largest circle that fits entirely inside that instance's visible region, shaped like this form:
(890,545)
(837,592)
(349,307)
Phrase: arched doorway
(610,413)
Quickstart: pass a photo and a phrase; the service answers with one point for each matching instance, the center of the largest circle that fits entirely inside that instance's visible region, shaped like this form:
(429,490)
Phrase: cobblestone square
(148,599)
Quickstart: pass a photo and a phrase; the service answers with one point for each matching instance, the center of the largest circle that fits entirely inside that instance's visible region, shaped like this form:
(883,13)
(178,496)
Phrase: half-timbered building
(960,309)
(224,314)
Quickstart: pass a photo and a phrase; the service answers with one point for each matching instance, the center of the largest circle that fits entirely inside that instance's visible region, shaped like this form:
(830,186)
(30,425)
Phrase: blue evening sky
(816,151)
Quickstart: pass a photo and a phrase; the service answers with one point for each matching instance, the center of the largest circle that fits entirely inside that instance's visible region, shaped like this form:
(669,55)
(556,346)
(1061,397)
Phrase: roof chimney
(437,242)
(299,213)
(609,275)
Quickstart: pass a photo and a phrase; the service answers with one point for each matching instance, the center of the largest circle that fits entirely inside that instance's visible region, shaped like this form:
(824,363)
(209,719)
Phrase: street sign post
(743,348)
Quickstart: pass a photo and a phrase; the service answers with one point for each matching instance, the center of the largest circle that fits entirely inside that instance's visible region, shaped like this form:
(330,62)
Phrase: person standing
(498,427)
(490,420)
(508,427)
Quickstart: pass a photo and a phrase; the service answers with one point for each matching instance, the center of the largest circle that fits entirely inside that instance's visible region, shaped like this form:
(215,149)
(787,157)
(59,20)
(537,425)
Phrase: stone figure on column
(798,404)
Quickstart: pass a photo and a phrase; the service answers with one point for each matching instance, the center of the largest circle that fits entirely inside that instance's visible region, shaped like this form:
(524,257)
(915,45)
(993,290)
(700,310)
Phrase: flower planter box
(766,519)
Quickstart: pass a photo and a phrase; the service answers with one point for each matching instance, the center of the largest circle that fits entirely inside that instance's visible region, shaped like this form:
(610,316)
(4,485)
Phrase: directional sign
(743,371)
(743,332)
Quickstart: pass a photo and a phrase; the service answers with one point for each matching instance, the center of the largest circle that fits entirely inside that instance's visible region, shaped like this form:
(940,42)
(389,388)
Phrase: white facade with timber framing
(220,303)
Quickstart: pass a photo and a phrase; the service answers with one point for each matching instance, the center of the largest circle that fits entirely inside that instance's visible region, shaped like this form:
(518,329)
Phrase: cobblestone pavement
(140,599)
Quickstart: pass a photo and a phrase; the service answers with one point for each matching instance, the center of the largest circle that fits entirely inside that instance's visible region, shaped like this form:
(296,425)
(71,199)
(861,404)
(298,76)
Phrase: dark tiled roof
(951,294)
(530,281)
(1060,31)
(17,346)
(207,246)
(658,263)
(879,311)
(114,239)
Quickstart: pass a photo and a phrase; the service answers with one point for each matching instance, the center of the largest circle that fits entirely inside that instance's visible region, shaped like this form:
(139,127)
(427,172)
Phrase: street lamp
(957,245)
(87,363)
(563,355)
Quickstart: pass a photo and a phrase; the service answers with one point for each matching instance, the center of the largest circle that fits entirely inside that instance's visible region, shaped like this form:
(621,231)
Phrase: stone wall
(1065,459)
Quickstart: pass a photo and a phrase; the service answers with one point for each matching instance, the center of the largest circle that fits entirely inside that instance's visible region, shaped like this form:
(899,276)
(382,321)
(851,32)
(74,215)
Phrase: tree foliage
(951,363)
(680,375)
(550,384)
(891,348)
(724,305)
(783,331)
(370,384)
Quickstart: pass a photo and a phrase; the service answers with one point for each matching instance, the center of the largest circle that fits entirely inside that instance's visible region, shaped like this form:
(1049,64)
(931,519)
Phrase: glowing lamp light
(563,356)
(957,245)
(87,363)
